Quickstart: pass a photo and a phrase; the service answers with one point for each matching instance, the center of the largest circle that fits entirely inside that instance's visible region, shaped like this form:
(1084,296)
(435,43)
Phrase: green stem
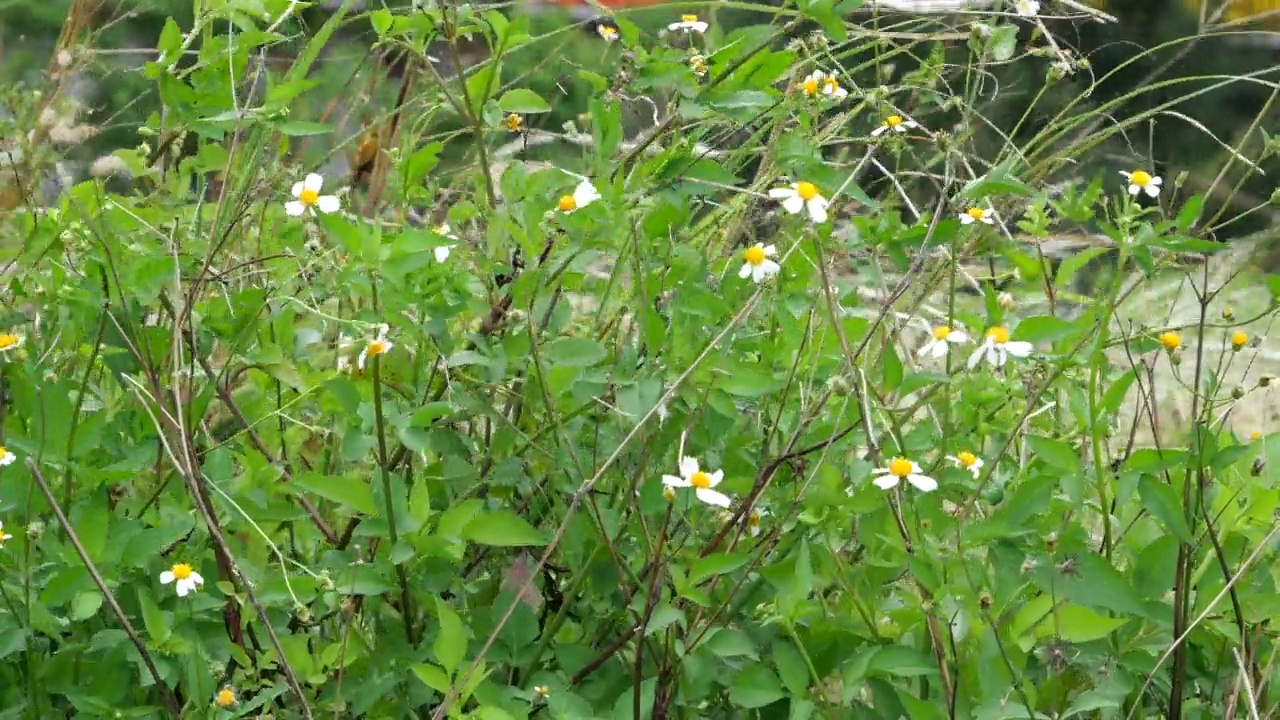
(380,423)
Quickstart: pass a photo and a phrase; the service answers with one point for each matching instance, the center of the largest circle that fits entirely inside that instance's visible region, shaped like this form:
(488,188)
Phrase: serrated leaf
(1161,501)
(502,528)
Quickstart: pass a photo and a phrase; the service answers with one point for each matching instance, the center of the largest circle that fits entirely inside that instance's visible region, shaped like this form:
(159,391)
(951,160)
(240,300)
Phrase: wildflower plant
(490,431)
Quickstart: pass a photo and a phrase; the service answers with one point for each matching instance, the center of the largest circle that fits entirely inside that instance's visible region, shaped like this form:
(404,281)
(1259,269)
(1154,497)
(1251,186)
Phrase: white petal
(884,482)
(712,497)
(915,467)
(688,466)
(909,124)
(313,182)
(793,204)
(166,577)
(716,477)
(1153,189)
(966,219)
(986,218)
(585,194)
(757,274)
(1127,175)
(196,579)
(1157,181)
(297,189)
(294,208)
(1134,189)
(879,131)
(928,349)
(841,93)
(442,252)
(1018,348)
(923,483)
(818,209)
(956,337)
(745,271)
(769,268)
(183,588)
(675,26)
(364,355)
(778,193)
(976,357)
(674,481)
(939,348)
(328,203)
(770,250)
(699,26)
(996,356)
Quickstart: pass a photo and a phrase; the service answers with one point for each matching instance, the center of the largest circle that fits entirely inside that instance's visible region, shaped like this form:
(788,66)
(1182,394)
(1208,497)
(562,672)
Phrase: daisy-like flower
(582,196)
(942,338)
(442,251)
(1142,181)
(802,196)
(966,460)
(1026,8)
(688,23)
(225,698)
(607,29)
(4,536)
(753,521)
(973,215)
(379,345)
(701,482)
(184,579)
(896,123)
(1239,339)
(6,457)
(900,469)
(998,347)
(698,64)
(818,82)
(1170,340)
(541,692)
(514,122)
(9,341)
(757,264)
(309,198)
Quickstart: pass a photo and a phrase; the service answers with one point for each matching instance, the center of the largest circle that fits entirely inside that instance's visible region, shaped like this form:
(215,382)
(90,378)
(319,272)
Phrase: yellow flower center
(810,86)
(8,340)
(1170,340)
(753,520)
(309,197)
(893,121)
(967,459)
(567,203)
(1239,338)
(1255,435)
(689,18)
(225,698)
(700,480)
(513,122)
(377,347)
(900,467)
(998,335)
(1141,178)
(754,255)
(830,85)
(976,213)
(181,571)
(608,33)
(942,332)
(807,191)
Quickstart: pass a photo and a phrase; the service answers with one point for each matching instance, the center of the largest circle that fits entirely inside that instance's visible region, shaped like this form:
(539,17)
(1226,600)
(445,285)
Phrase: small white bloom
(802,196)
(967,461)
(377,346)
(820,83)
(1026,8)
(6,457)
(973,215)
(608,30)
(900,469)
(1143,181)
(582,196)
(309,198)
(442,251)
(185,579)
(896,123)
(757,264)
(998,347)
(942,338)
(753,520)
(701,482)
(688,23)
(4,536)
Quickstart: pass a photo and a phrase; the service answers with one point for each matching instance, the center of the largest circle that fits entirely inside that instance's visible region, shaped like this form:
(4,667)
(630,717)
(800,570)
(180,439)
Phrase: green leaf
(451,640)
(716,564)
(1003,42)
(1161,501)
(741,100)
(755,687)
(574,352)
(902,661)
(502,528)
(1044,329)
(999,180)
(155,620)
(348,492)
(791,667)
(432,676)
(1056,453)
(523,100)
(86,605)
(1078,624)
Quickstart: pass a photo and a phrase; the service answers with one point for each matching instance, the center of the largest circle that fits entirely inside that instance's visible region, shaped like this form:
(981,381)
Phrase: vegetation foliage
(719,366)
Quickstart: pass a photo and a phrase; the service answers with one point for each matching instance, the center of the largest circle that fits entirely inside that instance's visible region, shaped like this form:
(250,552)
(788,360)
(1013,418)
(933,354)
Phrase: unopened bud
(1006,301)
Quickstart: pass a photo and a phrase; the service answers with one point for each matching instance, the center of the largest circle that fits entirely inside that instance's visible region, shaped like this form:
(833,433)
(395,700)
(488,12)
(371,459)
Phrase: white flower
(701,482)
(1026,8)
(1142,181)
(895,123)
(6,457)
(967,461)
(828,86)
(753,521)
(941,340)
(688,23)
(442,251)
(541,692)
(308,197)
(184,578)
(582,196)
(997,348)
(4,536)
(973,215)
(377,346)
(607,29)
(800,196)
(757,264)
(900,469)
